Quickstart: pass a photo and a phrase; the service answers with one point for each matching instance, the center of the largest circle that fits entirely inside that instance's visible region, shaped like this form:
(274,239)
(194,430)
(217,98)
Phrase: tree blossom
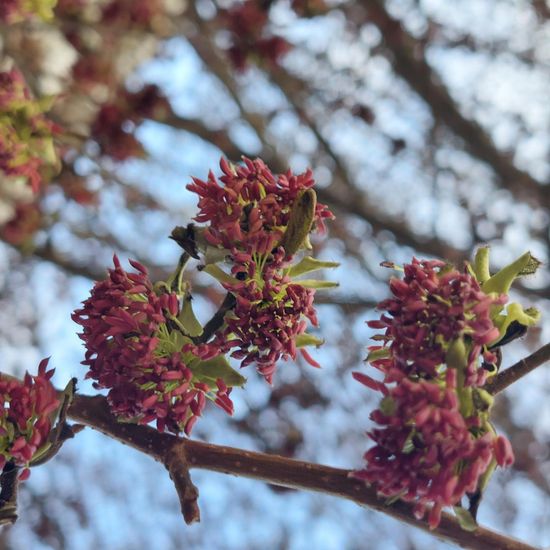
(25,423)
(270,313)
(247,23)
(131,351)
(426,452)
(26,135)
(250,217)
(252,208)
(13,11)
(432,306)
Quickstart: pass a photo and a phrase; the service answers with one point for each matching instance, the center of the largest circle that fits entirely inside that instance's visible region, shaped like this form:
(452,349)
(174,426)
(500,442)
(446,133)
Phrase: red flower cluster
(13,11)
(269,314)
(25,416)
(427,452)
(115,123)
(247,24)
(248,216)
(129,351)
(432,306)
(436,440)
(251,210)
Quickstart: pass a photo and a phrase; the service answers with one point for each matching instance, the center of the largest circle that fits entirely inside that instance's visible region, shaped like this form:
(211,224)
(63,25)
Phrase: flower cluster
(26,135)
(432,306)
(25,423)
(250,218)
(426,451)
(247,24)
(132,350)
(269,315)
(252,209)
(435,443)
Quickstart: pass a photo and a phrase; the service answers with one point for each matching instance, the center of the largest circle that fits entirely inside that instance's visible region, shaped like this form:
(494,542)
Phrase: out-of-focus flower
(26,135)
(433,306)
(427,452)
(247,24)
(14,11)
(25,423)
(132,351)
(26,220)
(116,121)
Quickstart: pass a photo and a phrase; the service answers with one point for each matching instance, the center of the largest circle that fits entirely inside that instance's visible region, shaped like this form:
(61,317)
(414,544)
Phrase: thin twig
(276,470)
(518,370)
(217,319)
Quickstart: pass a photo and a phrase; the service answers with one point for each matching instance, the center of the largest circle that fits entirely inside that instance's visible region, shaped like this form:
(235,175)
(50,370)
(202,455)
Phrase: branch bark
(276,470)
(518,370)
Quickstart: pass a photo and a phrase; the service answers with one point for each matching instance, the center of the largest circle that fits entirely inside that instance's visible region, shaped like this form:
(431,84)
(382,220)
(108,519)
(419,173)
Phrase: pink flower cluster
(269,314)
(251,210)
(22,116)
(426,452)
(25,416)
(125,329)
(248,216)
(435,443)
(12,11)
(247,22)
(432,306)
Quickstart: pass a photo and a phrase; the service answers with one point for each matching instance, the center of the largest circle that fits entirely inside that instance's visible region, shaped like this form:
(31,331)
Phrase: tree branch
(518,370)
(409,62)
(276,470)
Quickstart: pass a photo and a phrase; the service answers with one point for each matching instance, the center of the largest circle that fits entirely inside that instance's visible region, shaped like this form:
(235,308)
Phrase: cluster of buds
(138,348)
(257,222)
(14,11)
(25,418)
(247,24)
(441,330)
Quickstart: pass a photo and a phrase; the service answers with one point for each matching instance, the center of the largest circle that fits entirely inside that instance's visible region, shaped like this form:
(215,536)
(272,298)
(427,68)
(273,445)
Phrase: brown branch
(275,470)
(409,62)
(518,370)
(9,479)
(178,467)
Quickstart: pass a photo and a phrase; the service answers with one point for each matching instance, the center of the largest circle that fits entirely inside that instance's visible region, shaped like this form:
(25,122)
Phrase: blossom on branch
(435,443)
(426,451)
(433,306)
(135,350)
(25,417)
(247,24)
(257,222)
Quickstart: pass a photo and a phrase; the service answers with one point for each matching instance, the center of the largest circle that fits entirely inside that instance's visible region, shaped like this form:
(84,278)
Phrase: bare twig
(518,370)
(178,468)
